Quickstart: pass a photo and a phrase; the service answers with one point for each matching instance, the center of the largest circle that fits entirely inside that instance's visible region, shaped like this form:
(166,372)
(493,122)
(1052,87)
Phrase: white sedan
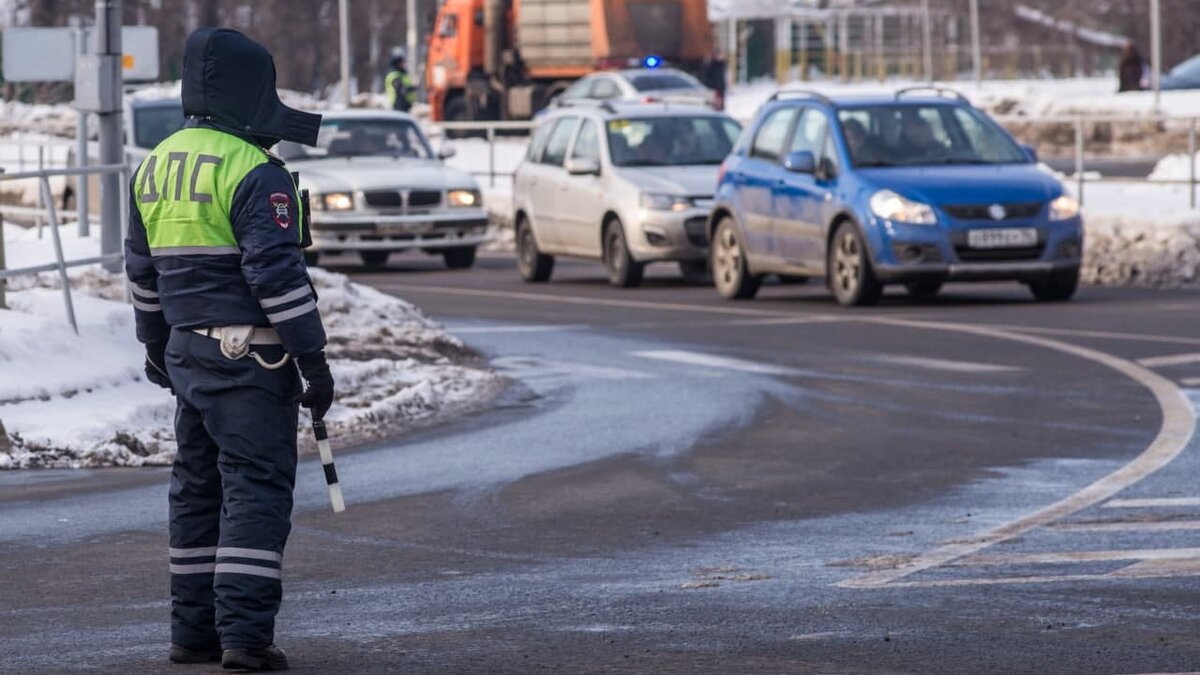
(376,187)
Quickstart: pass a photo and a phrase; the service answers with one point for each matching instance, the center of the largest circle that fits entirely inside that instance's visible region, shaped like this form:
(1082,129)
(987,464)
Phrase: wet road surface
(673,483)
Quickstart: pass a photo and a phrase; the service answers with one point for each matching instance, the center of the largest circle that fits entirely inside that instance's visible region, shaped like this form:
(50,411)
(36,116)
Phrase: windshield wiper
(876,163)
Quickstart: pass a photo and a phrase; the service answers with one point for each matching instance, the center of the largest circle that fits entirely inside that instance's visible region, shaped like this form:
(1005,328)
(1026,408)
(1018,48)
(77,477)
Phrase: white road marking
(1190,382)
(946,364)
(1173,360)
(1079,556)
(602,302)
(1177,427)
(531,368)
(1107,335)
(1151,503)
(786,321)
(713,361)
(531,328)
(1129,526)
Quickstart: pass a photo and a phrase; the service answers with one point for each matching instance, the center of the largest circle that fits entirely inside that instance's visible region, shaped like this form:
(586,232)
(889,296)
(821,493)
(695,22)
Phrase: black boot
(270,658)
(179,654)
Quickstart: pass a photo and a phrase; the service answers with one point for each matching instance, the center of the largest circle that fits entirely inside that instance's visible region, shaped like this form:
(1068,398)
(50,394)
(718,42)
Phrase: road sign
(48,54)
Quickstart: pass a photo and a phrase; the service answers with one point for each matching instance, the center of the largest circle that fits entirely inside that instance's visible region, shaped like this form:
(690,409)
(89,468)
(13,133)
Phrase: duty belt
(237,340)
(260,336)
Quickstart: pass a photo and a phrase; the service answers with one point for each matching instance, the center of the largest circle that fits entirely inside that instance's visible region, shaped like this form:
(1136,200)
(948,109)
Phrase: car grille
(395,199)
(1013,211)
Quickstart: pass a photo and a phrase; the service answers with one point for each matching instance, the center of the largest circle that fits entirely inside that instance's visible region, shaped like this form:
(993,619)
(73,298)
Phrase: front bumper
(358,231)
(907,252)
(655,236)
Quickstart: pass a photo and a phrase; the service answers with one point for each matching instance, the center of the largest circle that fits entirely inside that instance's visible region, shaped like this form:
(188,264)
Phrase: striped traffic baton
(331,477)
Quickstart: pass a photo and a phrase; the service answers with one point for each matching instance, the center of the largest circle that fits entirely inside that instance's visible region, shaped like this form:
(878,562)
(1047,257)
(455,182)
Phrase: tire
(731,275)
(459,258)
(456,111)
(924,288)
(849,269)
(311,258)
(695,272)
(374,258)
(534,266)
(623,270)
(1056,286)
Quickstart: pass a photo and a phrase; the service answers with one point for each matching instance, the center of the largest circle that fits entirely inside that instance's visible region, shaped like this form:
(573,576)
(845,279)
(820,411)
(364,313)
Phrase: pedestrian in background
(401,91)
(1132,70)
(224,305)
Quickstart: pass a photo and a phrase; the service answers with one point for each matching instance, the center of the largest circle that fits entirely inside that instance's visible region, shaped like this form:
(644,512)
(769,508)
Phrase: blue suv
(913,189)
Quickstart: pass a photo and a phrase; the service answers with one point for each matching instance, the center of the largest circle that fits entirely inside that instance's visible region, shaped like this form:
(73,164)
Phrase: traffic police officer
(402,94)
(223,302)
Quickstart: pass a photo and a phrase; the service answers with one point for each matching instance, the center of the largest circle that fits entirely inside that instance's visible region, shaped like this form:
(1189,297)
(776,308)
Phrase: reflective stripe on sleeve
(200,568)
(302,292)
(194,250)
(249,553)
(146,306)
(143,292)
(252,570)
(280,317)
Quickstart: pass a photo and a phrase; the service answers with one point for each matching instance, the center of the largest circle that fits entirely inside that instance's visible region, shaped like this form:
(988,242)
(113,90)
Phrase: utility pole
(344,39)
(1156,51)
(927,39)
(112,151)
(414,54)
(976,48)
(82,187)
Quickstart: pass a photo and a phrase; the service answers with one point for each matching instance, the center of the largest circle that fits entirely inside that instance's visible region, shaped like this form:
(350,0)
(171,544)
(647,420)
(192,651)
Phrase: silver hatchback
(626,185)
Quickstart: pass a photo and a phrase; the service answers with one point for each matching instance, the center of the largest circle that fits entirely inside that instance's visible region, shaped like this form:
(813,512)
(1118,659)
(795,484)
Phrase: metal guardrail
(61,264)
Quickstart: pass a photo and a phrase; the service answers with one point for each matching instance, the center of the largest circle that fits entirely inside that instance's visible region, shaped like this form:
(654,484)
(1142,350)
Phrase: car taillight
(649,99)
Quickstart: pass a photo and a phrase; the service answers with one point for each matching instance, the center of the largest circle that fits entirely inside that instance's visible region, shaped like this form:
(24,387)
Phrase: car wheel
(533,265)
(459,258)
(623,270)
(695,272)
(849,268)
(924,288)
(1056,286)
(730,273)
(374,258)
(311,258)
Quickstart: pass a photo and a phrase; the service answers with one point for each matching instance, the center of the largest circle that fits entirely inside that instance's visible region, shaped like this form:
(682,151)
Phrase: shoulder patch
(281,209)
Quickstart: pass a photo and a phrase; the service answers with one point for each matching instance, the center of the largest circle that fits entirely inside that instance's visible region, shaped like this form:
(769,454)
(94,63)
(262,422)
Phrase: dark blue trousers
(231,492)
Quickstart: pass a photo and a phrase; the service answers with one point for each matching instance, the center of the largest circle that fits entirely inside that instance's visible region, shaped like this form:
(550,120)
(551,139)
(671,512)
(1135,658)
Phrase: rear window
(152,124)
(661,81)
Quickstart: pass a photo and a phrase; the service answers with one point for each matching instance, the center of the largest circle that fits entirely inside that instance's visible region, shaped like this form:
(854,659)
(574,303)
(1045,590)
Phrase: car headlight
(463,198)
(660,202)
(1064,208)
(891,206)
(337,201)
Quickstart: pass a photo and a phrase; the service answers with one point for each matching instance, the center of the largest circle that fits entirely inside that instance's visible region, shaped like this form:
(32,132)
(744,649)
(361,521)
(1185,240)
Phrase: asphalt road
(674,483)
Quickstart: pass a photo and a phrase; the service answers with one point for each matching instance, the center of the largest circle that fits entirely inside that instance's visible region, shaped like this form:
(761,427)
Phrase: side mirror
(1030,152)
(577,166)
(447,151)
(800,162)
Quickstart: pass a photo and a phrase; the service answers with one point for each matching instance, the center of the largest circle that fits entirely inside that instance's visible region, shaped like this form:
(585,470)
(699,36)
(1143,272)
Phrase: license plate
(1013,237)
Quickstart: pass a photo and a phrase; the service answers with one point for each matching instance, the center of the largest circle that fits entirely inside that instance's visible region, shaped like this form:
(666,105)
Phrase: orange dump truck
(505,59)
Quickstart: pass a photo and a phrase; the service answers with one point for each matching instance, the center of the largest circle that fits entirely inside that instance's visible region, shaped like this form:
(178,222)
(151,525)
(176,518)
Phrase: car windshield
(661,81)
(1188,70)
(924,135)
(362,138)
(152,124)
(671,141)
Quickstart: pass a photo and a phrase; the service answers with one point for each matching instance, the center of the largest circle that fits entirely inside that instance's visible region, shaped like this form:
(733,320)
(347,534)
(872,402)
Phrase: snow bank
(1175,167)
(82,401)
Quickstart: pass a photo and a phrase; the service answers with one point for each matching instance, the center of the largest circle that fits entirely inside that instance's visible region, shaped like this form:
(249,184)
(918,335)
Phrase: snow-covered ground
(74,401)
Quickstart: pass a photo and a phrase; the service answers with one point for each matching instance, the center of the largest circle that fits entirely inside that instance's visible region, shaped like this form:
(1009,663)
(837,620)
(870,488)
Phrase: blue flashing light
(652,62)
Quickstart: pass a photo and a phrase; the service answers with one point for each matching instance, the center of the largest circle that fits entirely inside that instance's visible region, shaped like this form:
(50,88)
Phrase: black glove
(318,392)
(156,366)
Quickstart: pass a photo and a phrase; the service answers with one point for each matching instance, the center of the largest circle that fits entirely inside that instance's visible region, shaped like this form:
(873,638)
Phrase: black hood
(229,80)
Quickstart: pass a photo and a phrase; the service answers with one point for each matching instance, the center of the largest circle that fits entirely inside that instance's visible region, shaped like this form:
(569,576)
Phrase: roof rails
(940,91)
(801,93)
